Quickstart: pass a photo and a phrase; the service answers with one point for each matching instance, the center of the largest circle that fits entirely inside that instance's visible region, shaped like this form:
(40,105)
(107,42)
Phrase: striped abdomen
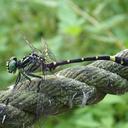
(120,60)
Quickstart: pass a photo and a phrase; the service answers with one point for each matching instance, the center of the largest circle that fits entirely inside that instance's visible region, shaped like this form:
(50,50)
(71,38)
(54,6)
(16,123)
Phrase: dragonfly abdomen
(120,60)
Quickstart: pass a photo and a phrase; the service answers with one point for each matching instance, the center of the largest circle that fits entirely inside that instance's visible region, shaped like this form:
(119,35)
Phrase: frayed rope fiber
(68,88)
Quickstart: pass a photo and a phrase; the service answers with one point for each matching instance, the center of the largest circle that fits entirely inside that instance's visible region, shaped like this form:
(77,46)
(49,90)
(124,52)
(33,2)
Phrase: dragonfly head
(12,65)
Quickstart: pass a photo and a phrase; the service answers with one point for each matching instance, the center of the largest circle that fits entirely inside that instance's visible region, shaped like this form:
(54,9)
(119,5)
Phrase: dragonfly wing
(34,49)
(49,56)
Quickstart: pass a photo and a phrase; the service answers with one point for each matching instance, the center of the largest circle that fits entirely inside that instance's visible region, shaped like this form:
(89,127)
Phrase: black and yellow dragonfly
(38,61)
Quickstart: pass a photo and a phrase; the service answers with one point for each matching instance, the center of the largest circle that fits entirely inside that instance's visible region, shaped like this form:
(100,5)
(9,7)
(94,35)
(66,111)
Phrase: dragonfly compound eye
(12,65)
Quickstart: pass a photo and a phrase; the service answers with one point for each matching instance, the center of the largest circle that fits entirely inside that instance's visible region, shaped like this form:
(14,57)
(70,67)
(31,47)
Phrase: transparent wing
(44,52)
(34,49)
(49,56)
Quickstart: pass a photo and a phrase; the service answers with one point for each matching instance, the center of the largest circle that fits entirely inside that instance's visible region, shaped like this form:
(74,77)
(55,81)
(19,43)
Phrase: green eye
(12,65)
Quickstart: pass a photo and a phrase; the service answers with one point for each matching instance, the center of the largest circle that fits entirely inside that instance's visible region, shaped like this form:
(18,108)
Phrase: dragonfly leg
(17,80)
(33,75)
(26,76)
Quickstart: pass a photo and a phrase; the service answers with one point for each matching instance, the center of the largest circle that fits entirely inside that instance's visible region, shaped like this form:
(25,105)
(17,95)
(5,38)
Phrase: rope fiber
(68,88)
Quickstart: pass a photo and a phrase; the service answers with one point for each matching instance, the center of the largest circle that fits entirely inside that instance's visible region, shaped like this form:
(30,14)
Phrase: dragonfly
(44,61)
(39,60)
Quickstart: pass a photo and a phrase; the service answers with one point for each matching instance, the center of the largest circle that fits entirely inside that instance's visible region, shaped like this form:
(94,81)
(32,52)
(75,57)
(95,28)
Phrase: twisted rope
(76,86)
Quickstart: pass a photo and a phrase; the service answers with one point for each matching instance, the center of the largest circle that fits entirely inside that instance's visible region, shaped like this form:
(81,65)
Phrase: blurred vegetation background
(72,28)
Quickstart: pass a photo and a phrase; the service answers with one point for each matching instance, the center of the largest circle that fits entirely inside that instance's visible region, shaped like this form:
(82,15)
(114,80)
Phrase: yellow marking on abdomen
(82,59)
(68,61)
(54,63)
(97,57)
(113,58)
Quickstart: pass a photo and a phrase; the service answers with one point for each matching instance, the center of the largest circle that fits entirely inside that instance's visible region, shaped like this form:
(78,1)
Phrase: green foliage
(72,29)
